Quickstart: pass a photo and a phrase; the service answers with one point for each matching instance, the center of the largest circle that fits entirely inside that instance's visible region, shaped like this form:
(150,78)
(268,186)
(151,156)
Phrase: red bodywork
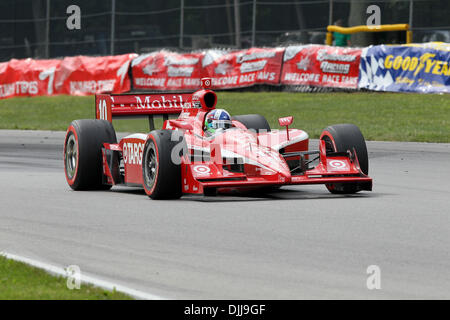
(235,158)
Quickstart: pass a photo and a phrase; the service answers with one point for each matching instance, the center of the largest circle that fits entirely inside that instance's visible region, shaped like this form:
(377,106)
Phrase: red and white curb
(52,269)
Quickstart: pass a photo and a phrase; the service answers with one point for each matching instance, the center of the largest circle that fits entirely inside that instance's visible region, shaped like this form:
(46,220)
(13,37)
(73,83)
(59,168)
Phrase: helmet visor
(221,124)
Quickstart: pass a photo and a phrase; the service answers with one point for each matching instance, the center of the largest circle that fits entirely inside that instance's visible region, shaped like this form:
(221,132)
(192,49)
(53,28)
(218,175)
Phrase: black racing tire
(340,138)
(83,161)
(161,175)
(253,121)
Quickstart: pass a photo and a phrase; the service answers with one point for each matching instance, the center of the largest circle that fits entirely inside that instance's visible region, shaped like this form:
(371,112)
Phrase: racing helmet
(217,119)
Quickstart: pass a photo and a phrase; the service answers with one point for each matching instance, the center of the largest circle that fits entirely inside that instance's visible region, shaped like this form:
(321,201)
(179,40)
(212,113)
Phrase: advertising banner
(243,68)
(164,70)
(409,68)
(27,77)
(73,76)
(83,75)
(322,66)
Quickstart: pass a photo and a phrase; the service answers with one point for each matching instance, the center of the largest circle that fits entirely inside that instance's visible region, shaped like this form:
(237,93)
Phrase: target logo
(338,165)
(201,169)
(206,83)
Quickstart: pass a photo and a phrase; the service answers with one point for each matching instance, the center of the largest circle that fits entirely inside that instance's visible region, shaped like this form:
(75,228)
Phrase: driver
(217,119)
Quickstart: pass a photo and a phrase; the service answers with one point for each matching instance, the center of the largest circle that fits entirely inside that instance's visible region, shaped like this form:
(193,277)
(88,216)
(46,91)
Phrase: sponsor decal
(150,69)
(242,57)
(19,88)
(410,68)
(243,68)
(196,101)
(166,70)
(180,71)
(132,152)
(329,67)
(102,109)
(91,75)
(28,77)
(323,55)
(426,62)
(180,60)
(223,68)
(201,169)
(91,86)
(159,102)
(253,66)
(196,104)
(304,64)
(338,165)
(149,82)
(285,121)
(322,66)
(206,83)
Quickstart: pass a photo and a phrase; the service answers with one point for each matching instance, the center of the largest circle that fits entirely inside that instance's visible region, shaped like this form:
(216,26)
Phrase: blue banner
(407,68)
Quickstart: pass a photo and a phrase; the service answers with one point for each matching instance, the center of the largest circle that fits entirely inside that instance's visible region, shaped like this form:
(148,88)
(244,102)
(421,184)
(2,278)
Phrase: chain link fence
(37,28)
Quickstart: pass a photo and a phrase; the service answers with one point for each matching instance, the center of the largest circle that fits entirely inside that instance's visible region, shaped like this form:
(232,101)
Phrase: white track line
(84,278)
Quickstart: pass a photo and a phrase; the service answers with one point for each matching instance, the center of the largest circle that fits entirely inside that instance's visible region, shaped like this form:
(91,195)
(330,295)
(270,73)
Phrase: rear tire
(340,138)
(253,121)
(83,161)
(161,175)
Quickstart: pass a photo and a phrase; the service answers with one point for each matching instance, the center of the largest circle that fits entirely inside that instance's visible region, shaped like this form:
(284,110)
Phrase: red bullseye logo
(206,83)
(338,164)
(202,169)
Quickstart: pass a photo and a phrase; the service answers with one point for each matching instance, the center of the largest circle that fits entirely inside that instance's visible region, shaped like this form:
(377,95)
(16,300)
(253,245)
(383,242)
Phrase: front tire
(161,173)
(83,145)
(340,138)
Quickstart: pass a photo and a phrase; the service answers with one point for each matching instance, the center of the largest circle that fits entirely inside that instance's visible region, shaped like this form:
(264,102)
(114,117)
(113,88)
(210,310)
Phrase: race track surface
(300,242)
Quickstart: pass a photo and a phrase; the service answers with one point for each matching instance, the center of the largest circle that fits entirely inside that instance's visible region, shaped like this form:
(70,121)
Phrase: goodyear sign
(409,68)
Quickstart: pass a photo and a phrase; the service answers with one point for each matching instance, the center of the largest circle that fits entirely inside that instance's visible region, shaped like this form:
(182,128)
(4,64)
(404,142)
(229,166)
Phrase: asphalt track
(298,243)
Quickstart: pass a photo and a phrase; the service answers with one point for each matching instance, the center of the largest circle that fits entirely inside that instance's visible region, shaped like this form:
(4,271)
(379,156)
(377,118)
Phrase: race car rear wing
(110,106)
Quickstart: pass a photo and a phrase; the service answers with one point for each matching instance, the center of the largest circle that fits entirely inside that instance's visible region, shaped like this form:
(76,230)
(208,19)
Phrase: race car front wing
(335,167)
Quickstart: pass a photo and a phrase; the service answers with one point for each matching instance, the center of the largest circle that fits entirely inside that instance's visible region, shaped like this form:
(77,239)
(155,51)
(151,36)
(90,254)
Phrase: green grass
(19,281)
(381,116)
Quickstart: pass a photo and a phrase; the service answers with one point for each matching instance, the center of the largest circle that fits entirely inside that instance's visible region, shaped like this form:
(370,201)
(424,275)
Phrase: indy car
(183,158)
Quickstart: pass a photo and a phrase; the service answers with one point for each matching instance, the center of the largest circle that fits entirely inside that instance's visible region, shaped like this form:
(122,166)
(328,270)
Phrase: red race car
(204,150)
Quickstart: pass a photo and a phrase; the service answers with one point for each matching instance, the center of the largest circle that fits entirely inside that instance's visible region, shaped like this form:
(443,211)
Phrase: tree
(301,22)
(39,12)
(357,17)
